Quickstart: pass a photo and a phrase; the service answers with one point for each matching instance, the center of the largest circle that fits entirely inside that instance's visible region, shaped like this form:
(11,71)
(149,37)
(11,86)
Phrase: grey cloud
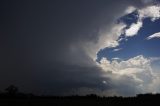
(42,43)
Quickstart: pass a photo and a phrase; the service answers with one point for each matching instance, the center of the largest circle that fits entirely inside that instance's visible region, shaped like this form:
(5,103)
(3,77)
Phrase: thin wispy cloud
(156,35)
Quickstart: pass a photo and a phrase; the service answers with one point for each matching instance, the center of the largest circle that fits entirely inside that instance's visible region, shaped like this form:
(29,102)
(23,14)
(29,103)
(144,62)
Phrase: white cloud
(107,39)
(118,67)
(115,50)
(136,71)
(130,9)
(156,35)
(133,29)
(152,12)
(116,58)
(154,59)
(104,82)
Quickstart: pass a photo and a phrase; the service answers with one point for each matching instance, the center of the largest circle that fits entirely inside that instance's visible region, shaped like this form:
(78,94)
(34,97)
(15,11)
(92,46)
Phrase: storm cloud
(50,47)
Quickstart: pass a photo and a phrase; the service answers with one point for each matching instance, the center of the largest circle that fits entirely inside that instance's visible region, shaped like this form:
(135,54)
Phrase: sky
(67,47)
(140,44)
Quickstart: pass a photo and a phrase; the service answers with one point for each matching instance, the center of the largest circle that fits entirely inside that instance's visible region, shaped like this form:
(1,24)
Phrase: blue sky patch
(136,45)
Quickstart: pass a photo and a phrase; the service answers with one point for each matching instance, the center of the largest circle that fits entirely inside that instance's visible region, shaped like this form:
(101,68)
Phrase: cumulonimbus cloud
(54,48)
(137,70)
(128,77)
(110,38)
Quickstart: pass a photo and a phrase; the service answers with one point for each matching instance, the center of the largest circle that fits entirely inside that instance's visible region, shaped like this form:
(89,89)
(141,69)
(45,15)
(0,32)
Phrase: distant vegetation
(12,97)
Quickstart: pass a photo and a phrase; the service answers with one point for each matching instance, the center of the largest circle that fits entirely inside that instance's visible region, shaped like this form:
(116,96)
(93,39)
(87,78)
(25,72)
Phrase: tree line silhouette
(12,97)
(13,92)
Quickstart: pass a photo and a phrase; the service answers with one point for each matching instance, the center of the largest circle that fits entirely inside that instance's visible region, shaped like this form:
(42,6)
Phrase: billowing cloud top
(138,69)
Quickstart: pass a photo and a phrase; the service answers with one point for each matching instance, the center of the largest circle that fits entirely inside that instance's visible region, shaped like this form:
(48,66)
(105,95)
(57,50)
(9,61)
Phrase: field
(90,100)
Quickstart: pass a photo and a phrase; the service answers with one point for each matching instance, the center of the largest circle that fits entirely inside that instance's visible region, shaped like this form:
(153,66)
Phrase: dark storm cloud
(40,42)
